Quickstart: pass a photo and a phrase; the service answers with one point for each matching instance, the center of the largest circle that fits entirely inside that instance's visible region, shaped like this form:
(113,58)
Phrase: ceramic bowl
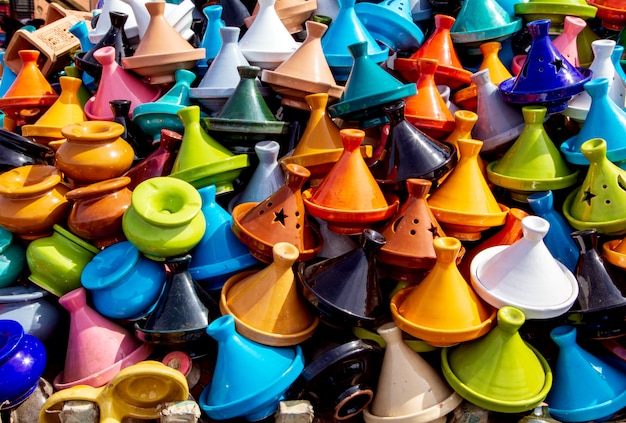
(22,362)
(468,226)
(123,283)
(30,307)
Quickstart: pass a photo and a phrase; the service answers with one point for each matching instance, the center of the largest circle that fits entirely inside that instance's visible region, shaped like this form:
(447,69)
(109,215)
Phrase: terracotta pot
(94,151)
(97,211)
(32,200)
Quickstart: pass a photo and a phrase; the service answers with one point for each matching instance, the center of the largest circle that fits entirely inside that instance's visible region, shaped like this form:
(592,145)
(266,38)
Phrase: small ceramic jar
(29,306)
(165,217)
(97,211)
(57,261)
(93,151)
(22,362)
(32,200)
(123,284)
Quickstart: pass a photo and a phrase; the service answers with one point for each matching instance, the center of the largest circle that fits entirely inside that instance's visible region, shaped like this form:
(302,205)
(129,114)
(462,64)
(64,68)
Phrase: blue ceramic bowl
(22,362)
(122,282)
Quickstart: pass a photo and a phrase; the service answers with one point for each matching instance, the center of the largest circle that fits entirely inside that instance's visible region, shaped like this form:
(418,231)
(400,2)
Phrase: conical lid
(97,348)
(321,133)
(598,387)
(605,120)
(499,372)
(408,385)
(361,101)
(65,110)
(345,289)
(279,218)
(596,203)
(566,42)
(549,169)
(442,309)
(266,304)
(160,29)
(211,39)
(350,185)
(497,71)
(525,275)
(117,84)
(410,234)
(307,64)
(222,72)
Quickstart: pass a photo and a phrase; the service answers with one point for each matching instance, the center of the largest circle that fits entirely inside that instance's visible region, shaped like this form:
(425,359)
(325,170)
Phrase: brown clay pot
(98,209)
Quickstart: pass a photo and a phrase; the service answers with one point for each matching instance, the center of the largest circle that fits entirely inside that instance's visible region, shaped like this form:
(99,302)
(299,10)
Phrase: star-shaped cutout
(558,64)
(588,196)
(434,230)
(280,217)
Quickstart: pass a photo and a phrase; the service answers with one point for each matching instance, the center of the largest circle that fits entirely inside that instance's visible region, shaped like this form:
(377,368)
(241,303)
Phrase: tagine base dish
(385,27)
(293,89)
(437,129)
(574,156)
(444,75)
(152,117)
(369,110)
(319,163)
(435,336)
(606,410)
(218,270)
(554,100)
(180,337)
(435,413)
(611,255)
(493,404)
(468,226)
(240,136)
(160,68)
(611,228)
(522,187)
(105,375)
(262,250)
(407,268)
(16,107)
(416,345)
(613,19)
(257,335)
(42,134)
(531,311)
(350,222)
(221,174)
(556,11)
(466,98)
(473,39)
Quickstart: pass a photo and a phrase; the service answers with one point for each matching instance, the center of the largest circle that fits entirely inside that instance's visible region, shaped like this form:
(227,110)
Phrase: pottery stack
(387,212)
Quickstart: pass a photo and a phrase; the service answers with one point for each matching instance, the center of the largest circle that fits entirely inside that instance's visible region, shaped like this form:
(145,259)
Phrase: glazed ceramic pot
(525,275)
(182,312)
(22,362)
(123,284)
(97,348)
(442,309)
(97,211)
(57,261)
(16,151)
(12,258)
(266,304)
(278,218)
(219,255)
(93,151)
(602,291)
(340,379)
(164,218)
(249,378)
(500,371)
(598,386)
(32,200)
(345,290)
(137,390)
(31,307)
(409,389)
